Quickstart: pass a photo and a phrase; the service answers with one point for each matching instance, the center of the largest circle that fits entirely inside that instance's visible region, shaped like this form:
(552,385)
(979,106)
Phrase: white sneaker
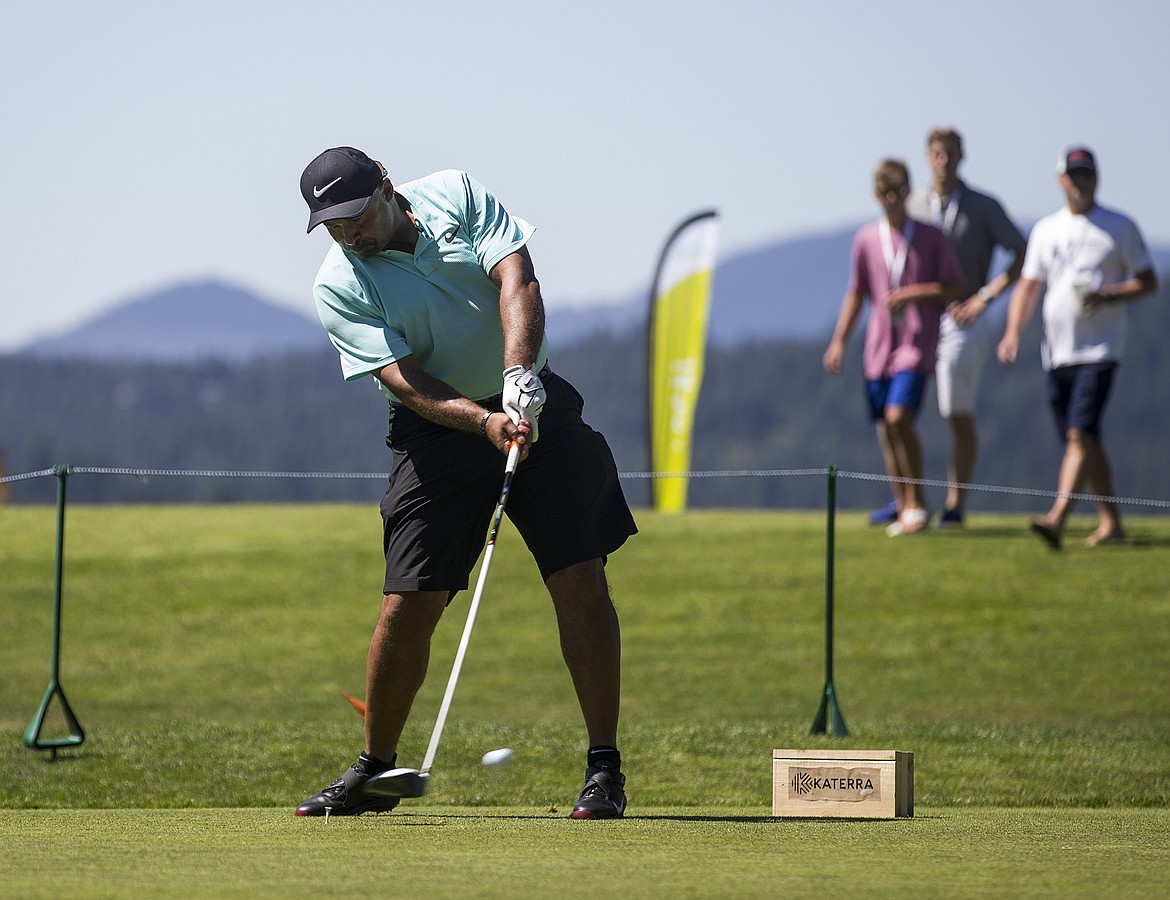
(911,521)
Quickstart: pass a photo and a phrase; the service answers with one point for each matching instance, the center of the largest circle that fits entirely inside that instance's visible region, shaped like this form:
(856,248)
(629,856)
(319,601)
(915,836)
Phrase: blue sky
(146,143)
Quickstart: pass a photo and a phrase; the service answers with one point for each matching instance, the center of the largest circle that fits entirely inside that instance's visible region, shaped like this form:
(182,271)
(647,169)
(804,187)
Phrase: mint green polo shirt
(437,304)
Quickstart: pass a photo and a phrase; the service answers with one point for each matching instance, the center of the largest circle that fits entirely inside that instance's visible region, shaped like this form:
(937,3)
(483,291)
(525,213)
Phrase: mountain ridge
(212,319)
(788,290)
(186,322)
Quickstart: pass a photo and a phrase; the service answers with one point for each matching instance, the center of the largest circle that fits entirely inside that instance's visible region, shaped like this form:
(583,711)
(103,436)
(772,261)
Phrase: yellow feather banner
(678,341)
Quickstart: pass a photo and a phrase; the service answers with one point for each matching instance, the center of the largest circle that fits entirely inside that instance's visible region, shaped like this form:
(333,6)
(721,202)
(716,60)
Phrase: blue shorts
(903,389)
(1077,396)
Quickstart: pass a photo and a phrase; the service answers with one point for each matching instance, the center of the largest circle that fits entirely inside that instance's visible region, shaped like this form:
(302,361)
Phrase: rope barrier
(733,473)
(10,478)
(827,715)
(730,473)
(215,473)
(1004,489)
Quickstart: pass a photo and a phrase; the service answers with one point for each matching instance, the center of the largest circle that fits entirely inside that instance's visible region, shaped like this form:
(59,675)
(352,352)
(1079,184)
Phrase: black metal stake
(32,736)
(828,718)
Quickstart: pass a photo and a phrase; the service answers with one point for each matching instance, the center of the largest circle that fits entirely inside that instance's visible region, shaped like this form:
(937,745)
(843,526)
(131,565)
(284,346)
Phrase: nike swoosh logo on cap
(318,193)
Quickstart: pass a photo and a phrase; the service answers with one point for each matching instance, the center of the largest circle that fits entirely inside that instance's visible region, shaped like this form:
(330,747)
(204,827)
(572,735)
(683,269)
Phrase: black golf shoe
(346,797)
(604,796)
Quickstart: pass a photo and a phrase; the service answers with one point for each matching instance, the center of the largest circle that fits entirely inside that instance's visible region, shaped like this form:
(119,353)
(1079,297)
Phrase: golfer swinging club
(429,288)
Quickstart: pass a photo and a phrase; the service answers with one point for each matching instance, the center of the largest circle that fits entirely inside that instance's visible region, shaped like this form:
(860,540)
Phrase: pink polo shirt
(909,344)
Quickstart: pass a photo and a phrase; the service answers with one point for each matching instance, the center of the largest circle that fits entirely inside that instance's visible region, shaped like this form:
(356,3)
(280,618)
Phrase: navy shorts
(1077,396)
(903,389)
(566,500)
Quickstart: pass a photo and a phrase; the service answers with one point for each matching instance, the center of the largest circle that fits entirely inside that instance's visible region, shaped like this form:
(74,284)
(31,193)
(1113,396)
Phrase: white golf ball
(497,757)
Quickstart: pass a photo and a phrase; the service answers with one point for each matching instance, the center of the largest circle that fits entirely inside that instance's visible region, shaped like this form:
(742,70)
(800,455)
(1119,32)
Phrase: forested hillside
(763,406)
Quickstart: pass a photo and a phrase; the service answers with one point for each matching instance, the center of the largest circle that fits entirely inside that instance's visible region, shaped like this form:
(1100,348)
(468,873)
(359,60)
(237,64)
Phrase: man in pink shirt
(909,271)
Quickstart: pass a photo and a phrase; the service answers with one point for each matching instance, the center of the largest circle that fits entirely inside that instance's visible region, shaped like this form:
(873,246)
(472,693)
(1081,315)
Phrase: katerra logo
(835,784)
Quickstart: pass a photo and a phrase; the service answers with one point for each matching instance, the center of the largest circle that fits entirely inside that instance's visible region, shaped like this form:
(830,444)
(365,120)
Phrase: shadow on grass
(771,819)
(556,816)
(66,755)
(1072,541)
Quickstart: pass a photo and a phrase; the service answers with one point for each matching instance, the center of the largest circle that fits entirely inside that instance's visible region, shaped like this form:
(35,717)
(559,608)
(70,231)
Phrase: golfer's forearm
(432,398)
(522,318)
(456,413)
(521,309)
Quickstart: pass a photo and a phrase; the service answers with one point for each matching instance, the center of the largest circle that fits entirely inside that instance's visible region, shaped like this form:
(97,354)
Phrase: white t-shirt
(1071,254)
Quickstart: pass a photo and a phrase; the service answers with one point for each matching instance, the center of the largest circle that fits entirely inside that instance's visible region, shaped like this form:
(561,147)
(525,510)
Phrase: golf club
(413,782)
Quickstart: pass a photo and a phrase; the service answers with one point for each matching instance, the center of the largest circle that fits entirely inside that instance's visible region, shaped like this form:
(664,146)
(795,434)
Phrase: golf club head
(397,783)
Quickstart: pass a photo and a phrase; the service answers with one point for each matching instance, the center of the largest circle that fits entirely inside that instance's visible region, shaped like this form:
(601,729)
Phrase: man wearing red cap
(1093,261)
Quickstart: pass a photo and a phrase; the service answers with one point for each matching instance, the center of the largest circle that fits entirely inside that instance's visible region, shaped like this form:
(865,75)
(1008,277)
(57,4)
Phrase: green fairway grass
(205,650)
(518,852)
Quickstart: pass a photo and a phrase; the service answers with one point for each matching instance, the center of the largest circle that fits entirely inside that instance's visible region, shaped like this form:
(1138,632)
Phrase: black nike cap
(339,184)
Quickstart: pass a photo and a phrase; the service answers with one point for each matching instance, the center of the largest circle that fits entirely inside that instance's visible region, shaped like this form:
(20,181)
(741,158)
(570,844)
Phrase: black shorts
(1077,396)
(566,500)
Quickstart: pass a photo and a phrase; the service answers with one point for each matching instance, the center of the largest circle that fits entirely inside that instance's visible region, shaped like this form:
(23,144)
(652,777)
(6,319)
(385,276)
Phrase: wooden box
(843,784)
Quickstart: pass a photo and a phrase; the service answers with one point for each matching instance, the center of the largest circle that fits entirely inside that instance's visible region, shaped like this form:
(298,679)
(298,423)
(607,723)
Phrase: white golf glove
(524,397)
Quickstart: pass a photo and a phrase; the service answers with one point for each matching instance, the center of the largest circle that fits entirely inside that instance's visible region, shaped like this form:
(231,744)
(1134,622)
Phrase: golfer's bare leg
(591,645)
(397,664)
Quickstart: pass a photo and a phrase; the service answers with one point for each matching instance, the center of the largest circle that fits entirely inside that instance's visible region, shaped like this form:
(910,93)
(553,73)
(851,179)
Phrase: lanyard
(895,262)
(945,219)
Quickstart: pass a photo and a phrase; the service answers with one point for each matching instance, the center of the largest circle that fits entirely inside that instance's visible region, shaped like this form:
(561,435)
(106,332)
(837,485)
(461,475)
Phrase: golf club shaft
(509,468)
